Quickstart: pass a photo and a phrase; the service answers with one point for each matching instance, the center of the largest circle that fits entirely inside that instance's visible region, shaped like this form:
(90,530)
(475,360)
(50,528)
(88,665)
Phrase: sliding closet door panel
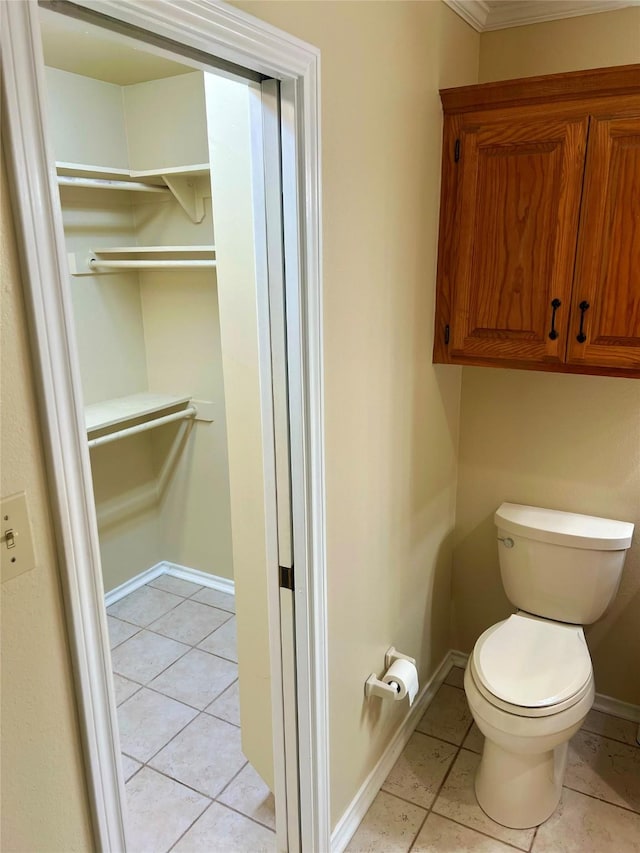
(228,121)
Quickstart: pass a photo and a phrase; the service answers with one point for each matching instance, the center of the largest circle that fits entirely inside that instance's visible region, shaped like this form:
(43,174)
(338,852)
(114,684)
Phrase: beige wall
(566,442)
(391,416)
(44,802)
(590,41)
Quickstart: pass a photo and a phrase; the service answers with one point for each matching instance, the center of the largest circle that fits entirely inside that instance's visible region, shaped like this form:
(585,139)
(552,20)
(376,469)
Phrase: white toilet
(529,681)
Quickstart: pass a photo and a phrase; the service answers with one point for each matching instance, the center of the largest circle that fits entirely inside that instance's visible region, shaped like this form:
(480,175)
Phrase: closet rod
(98,264)
(183,414)
(106,184)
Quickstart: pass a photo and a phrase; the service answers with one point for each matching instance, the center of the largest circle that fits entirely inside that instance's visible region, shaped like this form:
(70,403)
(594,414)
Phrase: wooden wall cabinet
(539,251)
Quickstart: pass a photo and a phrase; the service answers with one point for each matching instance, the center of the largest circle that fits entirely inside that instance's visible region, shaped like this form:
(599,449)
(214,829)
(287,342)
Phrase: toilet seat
(532,667)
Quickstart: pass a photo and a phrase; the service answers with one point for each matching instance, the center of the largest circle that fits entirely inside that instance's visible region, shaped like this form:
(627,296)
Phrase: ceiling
(486,15)
(82,48)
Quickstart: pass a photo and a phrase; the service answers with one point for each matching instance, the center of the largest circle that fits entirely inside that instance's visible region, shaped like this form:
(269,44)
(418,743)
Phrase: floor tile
(455,677)
(249,794)
(418,773)
(175,585)
(144,656)
(143,606)
(190,622)
(120,631)
(159,811)
(441,835)
(605,769)
(206,755)
(389,826)
(223,642)
(611,727)
(197,678)
(457,800)
(581,824)
(227,705)
(216,599)
(129,766)
(221,830)
(448,716)
(148,721)
(123,688)
(474,740)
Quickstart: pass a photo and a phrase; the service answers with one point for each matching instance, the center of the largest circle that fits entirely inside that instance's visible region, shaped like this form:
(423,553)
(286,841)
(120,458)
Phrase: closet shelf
(111,413)
(182,182)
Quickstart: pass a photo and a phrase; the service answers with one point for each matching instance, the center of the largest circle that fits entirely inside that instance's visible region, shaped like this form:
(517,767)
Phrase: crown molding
(485,16)
(474,12)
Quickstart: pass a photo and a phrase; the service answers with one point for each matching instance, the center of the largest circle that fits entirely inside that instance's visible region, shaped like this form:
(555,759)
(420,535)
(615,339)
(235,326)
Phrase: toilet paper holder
(373,686)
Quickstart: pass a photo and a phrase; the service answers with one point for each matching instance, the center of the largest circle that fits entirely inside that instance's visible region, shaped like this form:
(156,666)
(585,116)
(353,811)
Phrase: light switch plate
(16,543)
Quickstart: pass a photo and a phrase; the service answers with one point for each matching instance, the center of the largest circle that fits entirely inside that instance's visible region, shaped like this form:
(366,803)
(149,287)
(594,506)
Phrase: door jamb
(232,35)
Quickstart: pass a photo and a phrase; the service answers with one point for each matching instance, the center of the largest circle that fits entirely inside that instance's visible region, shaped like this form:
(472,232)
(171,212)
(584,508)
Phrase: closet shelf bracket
(189,191)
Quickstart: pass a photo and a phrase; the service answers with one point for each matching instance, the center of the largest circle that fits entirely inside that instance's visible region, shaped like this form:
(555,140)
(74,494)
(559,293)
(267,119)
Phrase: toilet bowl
(527,705)
(529,680)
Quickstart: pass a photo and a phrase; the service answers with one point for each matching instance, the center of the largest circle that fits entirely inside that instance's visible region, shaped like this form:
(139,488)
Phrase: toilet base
(520,790)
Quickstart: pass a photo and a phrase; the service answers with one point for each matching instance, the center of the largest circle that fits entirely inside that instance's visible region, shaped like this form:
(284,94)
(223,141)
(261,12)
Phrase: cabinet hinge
(456,151)
(446,334)
(286,577)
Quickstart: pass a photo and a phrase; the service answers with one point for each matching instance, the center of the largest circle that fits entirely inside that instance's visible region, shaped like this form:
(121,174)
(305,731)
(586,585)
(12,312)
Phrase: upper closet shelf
(180,181)
(142,258)
(110,413)
(152,410)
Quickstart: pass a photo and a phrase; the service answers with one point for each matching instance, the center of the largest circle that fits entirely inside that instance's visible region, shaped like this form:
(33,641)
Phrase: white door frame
(229,34)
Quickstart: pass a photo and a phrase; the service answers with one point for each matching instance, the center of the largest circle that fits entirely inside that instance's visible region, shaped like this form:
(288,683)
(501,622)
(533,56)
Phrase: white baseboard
(360,804)
(176,571)
(609,705)
(197,576)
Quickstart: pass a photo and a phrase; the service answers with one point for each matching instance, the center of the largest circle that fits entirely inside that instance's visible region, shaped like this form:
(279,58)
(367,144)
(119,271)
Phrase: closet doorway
(166,193)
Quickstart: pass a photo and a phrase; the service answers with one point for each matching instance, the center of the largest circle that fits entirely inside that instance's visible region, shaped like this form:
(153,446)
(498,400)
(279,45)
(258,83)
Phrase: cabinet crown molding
(616,81)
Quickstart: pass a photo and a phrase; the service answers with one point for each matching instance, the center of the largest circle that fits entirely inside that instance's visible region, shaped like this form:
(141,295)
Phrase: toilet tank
(560,565)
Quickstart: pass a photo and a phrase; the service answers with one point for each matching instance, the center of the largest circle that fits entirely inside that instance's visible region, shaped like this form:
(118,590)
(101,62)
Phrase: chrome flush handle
(507,541)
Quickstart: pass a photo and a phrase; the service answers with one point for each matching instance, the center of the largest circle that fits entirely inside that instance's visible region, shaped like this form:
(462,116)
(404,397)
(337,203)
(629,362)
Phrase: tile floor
(175,674)
(189,787)
(427,804)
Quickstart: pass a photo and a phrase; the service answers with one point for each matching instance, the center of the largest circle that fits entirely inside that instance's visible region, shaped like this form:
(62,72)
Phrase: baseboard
(166,568)
(609,705)
(196,576)
(360,804)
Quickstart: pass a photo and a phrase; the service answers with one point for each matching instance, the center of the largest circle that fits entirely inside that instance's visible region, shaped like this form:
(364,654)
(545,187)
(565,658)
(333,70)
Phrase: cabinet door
(606,290)
(517,206)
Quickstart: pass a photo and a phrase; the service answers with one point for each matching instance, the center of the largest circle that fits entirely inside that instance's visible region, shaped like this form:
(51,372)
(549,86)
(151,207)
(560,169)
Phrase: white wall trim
(230,34)
(617,708)
(355,812)
(474,12)
(485,17)
(174,570)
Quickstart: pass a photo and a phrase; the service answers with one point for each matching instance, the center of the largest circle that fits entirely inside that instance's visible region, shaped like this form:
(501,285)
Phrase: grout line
(535,835)
(601,799)
(233,778)
(177,841)
(441,785)
(246,816)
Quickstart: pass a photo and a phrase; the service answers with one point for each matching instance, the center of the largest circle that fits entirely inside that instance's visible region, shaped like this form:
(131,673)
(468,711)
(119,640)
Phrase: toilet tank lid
(564,528)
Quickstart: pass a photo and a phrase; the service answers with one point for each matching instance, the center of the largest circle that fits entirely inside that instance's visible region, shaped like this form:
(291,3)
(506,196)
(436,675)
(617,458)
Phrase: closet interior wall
(161,495)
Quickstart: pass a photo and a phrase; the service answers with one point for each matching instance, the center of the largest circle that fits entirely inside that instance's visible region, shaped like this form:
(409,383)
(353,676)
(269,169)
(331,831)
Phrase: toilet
(529,680)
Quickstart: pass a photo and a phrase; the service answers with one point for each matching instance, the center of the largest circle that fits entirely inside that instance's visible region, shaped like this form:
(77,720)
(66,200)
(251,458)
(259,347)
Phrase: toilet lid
(533,663)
